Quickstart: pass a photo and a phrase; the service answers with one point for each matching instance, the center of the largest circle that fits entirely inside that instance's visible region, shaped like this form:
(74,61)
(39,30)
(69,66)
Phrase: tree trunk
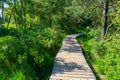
(2,11)
(24,12)
(9,20)
(105,19)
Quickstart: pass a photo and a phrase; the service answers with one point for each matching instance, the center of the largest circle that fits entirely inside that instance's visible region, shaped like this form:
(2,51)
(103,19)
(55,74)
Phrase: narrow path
(70,63)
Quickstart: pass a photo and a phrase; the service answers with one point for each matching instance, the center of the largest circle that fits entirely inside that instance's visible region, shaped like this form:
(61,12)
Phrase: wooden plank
(70,63)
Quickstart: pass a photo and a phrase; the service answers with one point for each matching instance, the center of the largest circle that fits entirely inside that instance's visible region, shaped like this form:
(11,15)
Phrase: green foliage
(30,39)
(95,49)
(104,54)
(112,67)
(31,32)
(114,14)
(14,58)
(3,31)
(27,53)
(18,76)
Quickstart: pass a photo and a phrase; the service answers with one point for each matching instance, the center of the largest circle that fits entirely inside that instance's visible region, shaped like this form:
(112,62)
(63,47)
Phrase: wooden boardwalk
(70,63)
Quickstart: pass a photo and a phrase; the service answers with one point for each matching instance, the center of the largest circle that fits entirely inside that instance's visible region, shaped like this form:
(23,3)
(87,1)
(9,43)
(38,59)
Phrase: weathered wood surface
(70,63)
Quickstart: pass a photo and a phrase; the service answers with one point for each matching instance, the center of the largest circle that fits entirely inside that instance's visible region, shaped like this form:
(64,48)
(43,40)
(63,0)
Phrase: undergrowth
(28,54)
(103,55)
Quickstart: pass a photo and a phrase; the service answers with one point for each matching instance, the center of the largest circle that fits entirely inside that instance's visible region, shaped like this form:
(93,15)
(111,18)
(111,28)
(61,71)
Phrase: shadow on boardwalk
(70,63)
(68,67)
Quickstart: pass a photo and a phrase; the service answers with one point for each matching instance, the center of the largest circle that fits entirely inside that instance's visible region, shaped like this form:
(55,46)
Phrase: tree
(2,6)
(105,19)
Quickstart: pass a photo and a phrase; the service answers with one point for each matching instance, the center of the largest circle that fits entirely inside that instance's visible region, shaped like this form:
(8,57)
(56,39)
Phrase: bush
(13,58)
(112,59)
(104,54)
(3,31)
(27,54)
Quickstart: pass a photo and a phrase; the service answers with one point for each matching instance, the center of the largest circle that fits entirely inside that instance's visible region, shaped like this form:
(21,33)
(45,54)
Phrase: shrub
(27,54)
(112,59)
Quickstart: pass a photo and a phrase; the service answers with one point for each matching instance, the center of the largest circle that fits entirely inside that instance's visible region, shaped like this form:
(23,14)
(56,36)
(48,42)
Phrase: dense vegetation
(31,32)
(103,51)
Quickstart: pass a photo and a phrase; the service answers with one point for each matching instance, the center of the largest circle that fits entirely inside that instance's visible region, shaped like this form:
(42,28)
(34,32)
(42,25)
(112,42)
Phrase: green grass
(89,48)
(103,56)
